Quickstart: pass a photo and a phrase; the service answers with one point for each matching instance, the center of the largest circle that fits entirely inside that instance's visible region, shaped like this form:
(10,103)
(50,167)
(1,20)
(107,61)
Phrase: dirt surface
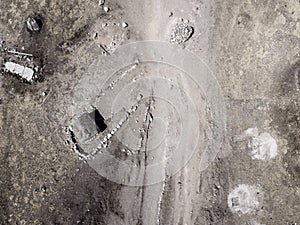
(251,48)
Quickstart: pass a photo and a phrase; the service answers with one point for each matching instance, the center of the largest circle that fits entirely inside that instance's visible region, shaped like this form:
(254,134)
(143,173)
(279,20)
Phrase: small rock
(105,8)
(170,14)
(101,2)
(95,35)
(43,188)
(124,25)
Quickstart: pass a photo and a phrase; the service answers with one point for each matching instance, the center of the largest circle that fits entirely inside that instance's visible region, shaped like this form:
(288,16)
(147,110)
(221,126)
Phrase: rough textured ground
(253,49)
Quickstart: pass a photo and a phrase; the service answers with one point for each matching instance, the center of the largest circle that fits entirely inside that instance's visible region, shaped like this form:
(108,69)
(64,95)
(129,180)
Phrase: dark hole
(99,120)
(39,22)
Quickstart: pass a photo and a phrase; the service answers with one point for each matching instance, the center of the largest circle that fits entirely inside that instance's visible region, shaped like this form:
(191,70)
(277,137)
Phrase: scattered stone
(101,2)
(34,24)
(170,14)
(106,9)
(181,33)
(1,101)
(24,72)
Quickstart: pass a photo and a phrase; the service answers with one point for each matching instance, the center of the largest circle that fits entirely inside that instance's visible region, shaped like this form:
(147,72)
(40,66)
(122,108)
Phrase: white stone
(105,8)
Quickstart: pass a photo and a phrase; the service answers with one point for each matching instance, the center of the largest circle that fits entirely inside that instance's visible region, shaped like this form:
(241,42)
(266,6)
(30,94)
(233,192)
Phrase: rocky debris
(76,147)
(34,24)
(181,33)
(87,128)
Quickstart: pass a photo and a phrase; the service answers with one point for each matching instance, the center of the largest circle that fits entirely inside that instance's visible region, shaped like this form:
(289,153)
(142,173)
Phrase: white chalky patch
(244,199)
(261,146)
(24,72)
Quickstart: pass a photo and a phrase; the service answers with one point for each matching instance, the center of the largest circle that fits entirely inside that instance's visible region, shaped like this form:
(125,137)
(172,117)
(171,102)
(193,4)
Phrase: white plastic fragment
(24,72)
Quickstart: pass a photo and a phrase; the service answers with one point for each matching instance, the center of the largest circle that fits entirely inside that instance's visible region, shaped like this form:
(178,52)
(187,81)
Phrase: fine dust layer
(251,47)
